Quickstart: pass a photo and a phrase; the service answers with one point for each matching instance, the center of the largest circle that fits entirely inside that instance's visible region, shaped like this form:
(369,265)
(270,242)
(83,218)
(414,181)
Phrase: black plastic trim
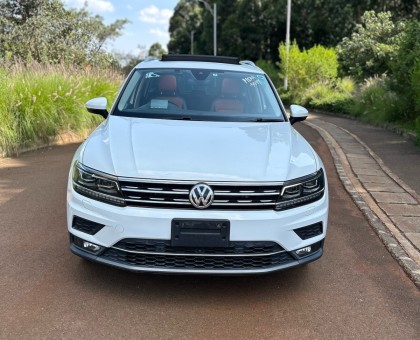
(309,231)
(86,226)
(298,262)
(203,58)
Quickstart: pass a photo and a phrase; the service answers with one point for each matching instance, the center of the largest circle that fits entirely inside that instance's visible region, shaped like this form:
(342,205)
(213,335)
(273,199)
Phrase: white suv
(197,169)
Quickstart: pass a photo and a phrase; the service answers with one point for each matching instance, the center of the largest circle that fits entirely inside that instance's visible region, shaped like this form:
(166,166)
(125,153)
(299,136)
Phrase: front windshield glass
(199,94)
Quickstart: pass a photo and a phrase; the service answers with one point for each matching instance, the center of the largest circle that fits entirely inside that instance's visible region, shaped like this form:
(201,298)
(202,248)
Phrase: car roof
(243,66)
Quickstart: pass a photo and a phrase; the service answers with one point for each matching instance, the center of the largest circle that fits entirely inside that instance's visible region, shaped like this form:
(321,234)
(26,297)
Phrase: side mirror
(97,106)
(297,114)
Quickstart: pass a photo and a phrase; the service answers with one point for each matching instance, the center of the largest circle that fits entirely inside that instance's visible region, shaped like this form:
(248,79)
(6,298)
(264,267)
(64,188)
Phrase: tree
(253,29)
(371,46)
(45,31)
(128,60)
(187,18)
(156,50)
(191,16)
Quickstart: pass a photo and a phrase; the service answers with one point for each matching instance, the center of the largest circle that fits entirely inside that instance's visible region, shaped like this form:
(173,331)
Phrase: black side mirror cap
(101,112)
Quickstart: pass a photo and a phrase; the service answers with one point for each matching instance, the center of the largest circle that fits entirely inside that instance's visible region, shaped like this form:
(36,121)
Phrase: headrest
(231,87)
(167,83)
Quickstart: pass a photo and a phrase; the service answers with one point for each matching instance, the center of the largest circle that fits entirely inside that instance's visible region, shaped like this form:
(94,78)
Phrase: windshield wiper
(180,118)
(266,120)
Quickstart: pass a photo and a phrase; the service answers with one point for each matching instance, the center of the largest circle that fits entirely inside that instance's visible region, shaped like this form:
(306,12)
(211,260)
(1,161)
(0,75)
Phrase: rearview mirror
(297,113)
(97,106)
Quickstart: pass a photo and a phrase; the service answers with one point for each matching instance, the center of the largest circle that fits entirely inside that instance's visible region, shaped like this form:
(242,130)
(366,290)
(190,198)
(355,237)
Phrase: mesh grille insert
(86,226)
(196,262)
(309,231)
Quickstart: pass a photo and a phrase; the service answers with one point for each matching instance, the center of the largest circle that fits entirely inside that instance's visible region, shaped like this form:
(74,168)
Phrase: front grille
(176,195)
(164,246)
(86,226)
(197,262)
(309,231)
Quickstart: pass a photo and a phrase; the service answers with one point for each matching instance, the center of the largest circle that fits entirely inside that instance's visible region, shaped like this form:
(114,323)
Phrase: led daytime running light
(296,193)
(93,184)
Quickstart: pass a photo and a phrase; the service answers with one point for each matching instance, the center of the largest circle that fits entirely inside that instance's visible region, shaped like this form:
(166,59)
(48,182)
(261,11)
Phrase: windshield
(199,94)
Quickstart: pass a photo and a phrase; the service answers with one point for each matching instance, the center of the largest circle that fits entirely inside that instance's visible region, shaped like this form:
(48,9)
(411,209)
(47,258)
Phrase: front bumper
(121,223)
(288,260)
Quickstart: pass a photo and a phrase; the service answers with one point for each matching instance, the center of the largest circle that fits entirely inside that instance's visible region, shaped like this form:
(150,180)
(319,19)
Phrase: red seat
(229,100)
(167,90)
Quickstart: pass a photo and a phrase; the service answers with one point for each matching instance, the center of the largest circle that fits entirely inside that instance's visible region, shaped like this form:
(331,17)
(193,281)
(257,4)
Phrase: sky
(149,21)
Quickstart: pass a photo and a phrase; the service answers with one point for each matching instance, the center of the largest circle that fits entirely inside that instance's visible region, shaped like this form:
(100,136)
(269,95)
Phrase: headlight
(301,191)
(96,185)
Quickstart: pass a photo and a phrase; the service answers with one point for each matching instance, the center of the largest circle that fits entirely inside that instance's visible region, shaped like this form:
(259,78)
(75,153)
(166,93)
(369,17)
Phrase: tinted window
(198,95)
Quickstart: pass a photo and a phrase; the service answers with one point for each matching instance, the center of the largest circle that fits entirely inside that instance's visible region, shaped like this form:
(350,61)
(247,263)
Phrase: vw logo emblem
(201,196)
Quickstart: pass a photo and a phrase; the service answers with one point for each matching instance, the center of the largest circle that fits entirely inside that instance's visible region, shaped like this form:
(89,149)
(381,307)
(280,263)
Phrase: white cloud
(159,33)
(96,6)
(129,7)
(154,15)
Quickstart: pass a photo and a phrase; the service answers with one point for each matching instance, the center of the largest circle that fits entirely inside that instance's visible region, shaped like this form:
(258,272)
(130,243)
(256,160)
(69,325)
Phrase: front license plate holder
(200,233)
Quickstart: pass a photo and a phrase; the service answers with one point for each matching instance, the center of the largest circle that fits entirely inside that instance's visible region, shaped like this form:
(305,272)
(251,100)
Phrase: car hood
(198,150)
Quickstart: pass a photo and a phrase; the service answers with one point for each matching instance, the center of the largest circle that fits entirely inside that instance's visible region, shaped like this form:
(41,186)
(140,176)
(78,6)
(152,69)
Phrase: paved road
(398,153)
(356,290)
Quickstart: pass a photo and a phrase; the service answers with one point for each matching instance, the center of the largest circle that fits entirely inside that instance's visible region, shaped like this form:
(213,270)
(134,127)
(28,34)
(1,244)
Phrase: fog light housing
(304,251)
(92,246)
(86,245)
(308,250)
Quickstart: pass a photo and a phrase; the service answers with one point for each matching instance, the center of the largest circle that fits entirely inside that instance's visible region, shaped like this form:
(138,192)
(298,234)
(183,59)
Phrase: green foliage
(371,46)
(415,85)
(374,101)
(308,67)
(156,50)
(40,101)
(253,29)
(329,97)
(45,31)
(271,70)
(187,18)
(405,79)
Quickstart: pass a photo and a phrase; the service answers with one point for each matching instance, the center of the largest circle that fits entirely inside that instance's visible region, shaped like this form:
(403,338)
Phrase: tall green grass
(38,102)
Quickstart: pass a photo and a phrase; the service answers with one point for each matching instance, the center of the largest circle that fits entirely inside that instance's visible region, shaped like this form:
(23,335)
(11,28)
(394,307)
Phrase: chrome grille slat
(227,195)
(156,191)
(157,202)
(244,204)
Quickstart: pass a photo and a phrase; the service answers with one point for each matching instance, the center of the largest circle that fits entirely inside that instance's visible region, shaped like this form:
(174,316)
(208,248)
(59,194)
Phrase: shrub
(328,97)
(405,68)
(308,67)
(371,46)
(374,101)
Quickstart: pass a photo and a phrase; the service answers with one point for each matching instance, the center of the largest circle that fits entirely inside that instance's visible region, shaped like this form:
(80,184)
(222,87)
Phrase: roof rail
(247,62)
(205,58)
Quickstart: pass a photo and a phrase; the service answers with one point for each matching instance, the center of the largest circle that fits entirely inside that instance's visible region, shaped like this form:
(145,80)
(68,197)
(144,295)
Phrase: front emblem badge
(201,196)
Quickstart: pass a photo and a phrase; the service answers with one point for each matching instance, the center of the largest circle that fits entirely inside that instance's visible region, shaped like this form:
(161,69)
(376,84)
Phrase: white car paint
(200,151)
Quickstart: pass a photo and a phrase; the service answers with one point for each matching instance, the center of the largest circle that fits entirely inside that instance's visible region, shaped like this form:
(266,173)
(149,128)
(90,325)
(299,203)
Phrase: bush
(328,97)
(371,46)
(375,102)
(405,80)
(308,67)
(38,101)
